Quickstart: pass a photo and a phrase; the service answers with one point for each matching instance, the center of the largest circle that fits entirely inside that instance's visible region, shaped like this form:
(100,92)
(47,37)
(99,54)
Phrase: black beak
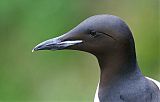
(57,43)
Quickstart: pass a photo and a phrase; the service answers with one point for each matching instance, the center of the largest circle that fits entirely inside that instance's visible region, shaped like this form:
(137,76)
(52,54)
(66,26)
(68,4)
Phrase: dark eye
(93,33)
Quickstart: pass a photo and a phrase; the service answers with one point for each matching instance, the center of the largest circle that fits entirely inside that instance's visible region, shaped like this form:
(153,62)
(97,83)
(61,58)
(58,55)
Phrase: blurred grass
(56,76)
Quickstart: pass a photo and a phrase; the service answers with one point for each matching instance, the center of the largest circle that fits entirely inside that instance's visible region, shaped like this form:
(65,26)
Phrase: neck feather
(117,67)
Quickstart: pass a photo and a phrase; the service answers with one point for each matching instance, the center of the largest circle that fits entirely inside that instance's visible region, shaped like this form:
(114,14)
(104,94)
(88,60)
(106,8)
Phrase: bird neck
(117,67)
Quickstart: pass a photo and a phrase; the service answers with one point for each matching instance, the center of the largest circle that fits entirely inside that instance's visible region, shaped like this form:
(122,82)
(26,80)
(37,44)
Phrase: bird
(111,41)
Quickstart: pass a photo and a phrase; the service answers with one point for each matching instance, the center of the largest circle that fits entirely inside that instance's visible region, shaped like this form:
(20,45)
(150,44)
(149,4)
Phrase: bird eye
(93,33)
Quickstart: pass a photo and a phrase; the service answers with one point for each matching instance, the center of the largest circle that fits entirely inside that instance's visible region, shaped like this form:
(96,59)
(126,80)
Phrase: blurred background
(65,76)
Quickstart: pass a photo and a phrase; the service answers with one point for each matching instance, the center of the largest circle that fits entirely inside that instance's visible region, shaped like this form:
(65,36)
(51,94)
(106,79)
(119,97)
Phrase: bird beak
(57,43)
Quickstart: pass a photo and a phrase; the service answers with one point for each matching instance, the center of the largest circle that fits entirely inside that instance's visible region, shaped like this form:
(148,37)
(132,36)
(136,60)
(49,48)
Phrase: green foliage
(56,76)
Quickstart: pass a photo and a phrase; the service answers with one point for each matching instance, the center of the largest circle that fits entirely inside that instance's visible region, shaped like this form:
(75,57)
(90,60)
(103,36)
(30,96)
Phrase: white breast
(156,82)
(96,98)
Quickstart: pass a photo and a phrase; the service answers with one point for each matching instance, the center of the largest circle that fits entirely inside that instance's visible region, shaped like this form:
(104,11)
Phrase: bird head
(98,34)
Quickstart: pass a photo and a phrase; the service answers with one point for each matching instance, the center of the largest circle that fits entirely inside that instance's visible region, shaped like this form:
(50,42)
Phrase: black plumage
(111,41)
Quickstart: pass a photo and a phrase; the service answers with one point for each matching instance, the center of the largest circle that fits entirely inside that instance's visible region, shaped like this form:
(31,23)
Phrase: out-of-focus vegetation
(65,76)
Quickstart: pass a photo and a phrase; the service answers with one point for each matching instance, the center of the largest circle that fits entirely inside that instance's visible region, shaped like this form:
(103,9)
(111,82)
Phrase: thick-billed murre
(109,38)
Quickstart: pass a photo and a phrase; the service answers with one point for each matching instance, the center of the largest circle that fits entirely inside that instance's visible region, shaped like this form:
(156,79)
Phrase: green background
(65,76)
